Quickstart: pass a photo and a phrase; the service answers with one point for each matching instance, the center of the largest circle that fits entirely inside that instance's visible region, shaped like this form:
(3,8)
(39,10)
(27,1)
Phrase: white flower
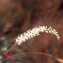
(35,32)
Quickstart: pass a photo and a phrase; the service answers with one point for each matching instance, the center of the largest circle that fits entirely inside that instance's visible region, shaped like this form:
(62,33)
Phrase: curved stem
(46,54)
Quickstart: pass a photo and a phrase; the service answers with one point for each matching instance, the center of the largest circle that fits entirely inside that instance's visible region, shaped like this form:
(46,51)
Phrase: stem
(11,48)
(6,56)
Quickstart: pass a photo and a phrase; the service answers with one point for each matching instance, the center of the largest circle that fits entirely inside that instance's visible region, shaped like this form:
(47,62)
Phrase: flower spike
(35,32)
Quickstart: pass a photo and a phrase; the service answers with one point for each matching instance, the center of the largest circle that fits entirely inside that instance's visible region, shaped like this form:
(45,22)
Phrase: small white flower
(35,32)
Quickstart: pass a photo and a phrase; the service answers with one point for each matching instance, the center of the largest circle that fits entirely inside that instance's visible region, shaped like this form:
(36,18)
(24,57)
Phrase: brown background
(17,16)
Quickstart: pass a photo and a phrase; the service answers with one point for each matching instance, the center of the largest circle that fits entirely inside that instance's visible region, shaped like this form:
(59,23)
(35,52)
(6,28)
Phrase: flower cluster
(35,32)
(52,31)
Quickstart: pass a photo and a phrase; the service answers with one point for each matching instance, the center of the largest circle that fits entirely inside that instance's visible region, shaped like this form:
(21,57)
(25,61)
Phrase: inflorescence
(35,32)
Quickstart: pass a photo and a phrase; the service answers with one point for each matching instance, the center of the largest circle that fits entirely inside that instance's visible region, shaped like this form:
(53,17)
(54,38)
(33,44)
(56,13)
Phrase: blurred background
(18,16)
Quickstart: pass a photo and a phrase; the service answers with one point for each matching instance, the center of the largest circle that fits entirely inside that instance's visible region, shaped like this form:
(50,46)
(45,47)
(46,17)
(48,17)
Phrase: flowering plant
(29,34)
(35,32)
